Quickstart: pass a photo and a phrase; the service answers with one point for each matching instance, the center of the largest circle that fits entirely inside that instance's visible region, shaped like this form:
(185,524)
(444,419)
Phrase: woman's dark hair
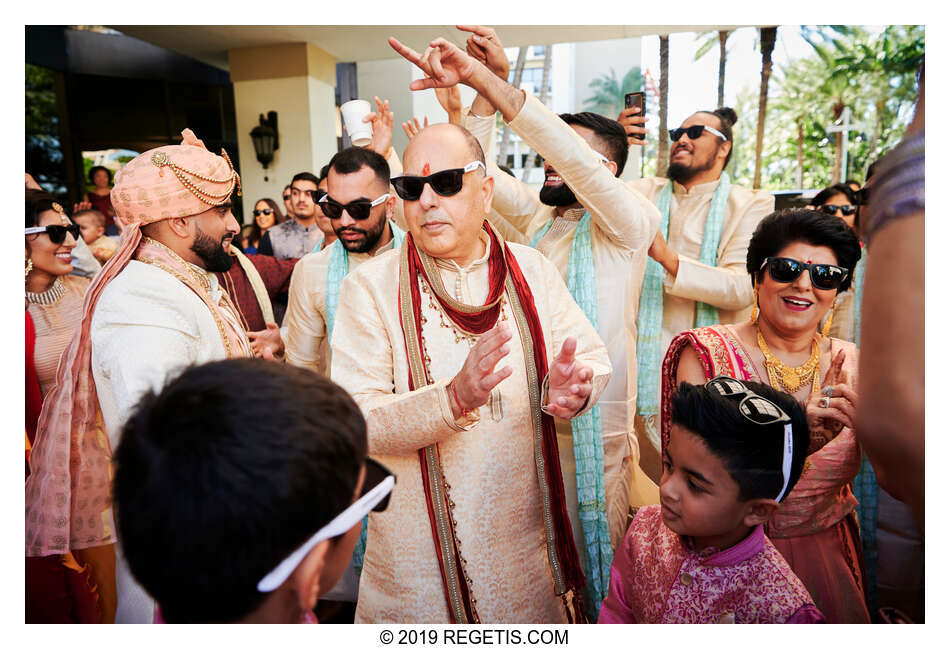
(727,117)
(93,170)
(279,216)
(783,227)
(751,452)
(831,191)
(218,478)
(37,202)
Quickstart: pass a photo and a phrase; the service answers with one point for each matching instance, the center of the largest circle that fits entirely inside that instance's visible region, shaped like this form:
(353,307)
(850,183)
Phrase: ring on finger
(828,391)
(824,402)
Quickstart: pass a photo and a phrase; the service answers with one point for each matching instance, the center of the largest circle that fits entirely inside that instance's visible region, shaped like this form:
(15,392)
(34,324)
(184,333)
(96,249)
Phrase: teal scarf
(587,429)
(650,317)
(337,269)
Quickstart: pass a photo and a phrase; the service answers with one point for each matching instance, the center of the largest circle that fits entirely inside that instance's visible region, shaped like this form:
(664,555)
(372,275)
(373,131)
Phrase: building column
(298,81)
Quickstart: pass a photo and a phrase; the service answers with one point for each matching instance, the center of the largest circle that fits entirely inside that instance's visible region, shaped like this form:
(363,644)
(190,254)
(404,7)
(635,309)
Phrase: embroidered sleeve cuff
(466,421)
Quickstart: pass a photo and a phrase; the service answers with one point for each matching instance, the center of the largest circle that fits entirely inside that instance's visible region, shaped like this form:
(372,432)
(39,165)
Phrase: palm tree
(710,39)
(608,97)
(767,37)
(516,82)
(663,142)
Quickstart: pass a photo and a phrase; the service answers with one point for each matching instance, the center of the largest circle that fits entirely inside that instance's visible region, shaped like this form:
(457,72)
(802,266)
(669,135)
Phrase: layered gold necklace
(791,379)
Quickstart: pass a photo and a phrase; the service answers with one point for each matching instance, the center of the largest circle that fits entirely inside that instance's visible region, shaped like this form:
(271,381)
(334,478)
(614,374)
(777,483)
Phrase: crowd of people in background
(416,389)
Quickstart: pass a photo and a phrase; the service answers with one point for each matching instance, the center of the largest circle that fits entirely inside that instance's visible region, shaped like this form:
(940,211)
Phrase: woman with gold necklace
(59,588)
(799,261)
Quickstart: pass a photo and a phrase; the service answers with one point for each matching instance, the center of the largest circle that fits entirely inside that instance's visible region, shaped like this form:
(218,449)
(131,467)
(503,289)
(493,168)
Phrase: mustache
(350,230)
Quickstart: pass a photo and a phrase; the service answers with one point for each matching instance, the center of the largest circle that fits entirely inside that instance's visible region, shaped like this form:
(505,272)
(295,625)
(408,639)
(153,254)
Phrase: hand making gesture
(382,121)
(485,46)
(472,386)
(443,63)
(835,406)
(266,343)
(569,382)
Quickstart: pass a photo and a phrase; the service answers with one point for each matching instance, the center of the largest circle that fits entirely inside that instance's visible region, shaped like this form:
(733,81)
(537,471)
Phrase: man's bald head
(447,135)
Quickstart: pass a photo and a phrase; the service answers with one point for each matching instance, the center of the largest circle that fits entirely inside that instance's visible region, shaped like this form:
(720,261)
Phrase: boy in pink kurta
(701,556)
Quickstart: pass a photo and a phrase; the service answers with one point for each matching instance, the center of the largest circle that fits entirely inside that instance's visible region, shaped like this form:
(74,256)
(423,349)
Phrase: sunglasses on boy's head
(824,276)
(694,132)
(846,210)
(264,211)
(443,183)
(57,233)
(758,410)
(358,210)
(377,487)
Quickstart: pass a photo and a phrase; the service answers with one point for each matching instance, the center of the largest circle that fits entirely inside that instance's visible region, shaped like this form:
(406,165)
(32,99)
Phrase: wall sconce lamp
(266,139)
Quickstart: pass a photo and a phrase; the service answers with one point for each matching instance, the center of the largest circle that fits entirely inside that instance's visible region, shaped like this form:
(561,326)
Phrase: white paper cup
(360,132)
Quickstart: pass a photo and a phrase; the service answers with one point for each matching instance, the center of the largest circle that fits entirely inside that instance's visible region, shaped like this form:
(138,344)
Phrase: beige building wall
(298,81)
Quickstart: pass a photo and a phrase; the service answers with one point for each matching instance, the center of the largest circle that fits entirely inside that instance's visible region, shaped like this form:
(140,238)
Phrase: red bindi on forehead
(426,169)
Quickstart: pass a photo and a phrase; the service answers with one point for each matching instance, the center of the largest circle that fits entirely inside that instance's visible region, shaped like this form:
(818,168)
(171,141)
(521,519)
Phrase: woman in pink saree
(799,261)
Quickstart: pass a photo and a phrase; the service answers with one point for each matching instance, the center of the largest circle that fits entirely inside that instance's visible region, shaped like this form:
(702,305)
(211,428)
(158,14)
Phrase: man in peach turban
(155,308)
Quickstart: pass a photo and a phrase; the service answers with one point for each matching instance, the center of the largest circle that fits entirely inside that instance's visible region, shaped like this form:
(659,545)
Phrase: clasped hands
(569,381)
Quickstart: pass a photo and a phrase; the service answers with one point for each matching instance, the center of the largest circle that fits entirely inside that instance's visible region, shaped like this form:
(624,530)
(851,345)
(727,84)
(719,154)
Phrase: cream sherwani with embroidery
(306,340)
(489,466)
(147,328)
(623,225)
(726,285)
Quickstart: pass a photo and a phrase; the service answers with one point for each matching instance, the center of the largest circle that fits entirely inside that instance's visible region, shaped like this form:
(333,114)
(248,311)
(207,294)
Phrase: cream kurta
(489,467)
(623,225)
(147,327)
(305,323)
(727,285)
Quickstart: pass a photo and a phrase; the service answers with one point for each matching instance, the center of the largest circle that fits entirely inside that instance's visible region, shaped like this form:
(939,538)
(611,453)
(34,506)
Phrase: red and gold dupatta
(505,277)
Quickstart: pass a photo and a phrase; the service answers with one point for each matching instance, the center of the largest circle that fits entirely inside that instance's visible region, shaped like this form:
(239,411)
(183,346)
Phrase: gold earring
(831,316)
(754,316)
(29,267)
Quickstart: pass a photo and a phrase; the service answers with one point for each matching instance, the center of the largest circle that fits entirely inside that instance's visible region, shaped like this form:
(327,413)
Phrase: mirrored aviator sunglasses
(57,233)
(823,276)
(444,183)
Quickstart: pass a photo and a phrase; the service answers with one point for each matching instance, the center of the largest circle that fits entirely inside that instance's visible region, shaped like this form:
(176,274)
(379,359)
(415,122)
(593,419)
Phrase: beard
(558,196)
(681,173)
(216,259)
(368,242)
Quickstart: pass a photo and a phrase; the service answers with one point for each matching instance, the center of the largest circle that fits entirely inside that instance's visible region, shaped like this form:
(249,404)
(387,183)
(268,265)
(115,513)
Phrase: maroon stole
(505,276)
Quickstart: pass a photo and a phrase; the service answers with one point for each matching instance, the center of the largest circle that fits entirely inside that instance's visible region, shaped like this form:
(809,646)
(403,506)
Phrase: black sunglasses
(823,276)
(286,197)
(57,233)
(444,183)
(358,210)
(375,474)
(694,132)
(264,211)
(846,210)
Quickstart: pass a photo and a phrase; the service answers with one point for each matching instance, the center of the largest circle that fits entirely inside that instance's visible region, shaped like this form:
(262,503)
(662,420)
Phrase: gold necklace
(790,379)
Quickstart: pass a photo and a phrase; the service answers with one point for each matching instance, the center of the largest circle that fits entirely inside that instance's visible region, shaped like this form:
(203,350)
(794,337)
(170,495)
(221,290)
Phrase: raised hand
(632,122)
(451,100)
(81,205)
(411,129)
(382,121)
(443,63)
(485,46)
(472,386)
(569,382)
(835,406)
(267,343)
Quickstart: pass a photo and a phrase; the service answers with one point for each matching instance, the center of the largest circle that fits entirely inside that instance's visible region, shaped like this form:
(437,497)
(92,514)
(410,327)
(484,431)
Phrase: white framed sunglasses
(377,486)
